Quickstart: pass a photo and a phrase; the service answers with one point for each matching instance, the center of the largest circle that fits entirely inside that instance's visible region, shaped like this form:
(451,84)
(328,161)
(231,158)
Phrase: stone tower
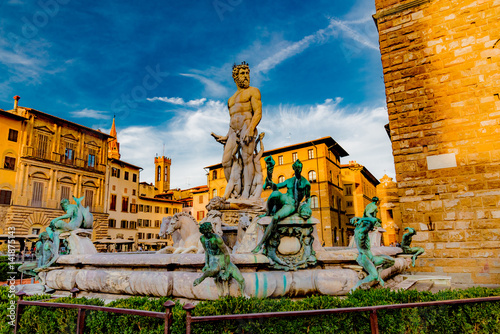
(441,63)
(113,145)
(162,173)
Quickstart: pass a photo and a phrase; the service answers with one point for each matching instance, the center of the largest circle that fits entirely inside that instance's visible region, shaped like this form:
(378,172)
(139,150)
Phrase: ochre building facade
(321,166)
(47,159)
(441,63)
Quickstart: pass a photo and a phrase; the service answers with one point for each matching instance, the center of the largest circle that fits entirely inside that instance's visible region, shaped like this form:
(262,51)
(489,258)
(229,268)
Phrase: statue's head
(375,199)
(206,227)
(269,161)
(64,203)
(43,236)
(297,166)
(241,75)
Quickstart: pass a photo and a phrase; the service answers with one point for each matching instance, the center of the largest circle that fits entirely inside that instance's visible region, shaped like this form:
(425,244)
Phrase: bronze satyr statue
(281,205)
(372,264)
(406,242)
(218,261)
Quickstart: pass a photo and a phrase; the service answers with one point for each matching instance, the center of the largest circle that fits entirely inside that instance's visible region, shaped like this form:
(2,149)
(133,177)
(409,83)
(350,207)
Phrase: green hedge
(5,269)
(473,318)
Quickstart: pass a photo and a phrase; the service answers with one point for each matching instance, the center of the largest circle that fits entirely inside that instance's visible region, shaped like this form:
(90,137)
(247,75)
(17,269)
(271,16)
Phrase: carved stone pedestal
(293,244)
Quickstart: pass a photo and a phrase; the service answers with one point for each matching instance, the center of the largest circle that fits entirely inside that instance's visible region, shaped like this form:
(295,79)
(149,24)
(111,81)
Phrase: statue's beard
(242,84)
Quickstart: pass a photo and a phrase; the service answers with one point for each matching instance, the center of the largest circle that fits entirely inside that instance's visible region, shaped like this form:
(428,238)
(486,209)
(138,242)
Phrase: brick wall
(441,63)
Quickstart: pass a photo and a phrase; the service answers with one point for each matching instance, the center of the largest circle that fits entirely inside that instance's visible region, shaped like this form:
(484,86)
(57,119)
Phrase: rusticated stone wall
(441,63)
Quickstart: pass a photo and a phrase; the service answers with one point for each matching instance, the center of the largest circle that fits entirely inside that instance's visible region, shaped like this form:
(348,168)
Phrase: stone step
(422,286)
(404,285)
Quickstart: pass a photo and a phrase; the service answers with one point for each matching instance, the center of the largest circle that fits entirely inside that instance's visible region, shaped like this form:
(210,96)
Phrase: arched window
(281,178)
(214,193)
(158,174)
(314,202)
(166,174)
(312,176)
(214,175)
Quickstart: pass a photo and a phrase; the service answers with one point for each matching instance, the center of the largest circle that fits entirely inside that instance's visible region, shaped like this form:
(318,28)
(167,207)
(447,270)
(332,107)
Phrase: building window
(65,192)
(115,172)
(37,196)
(42,145)
(124,224)
(157,223)
(166,210)
(312,176)
(214,175)
(294,156)
(69,153)
(145,222)
(280,160)
(125,176)
(176,211)
(349,204)
(200,199)
(134,177)
(158,174)
(91,158)
(314,202)
(5,196)
(112,203)
(133,208)
(348,190)
(133,225)
(12,135)
(139,223)
(141,208)
(200,215)
(140,235)
(10,163)
(124,204)
(214,193)
(112,223)
(89,199)
(157,209)
(281,179)
(310,154)
(165,177)
(134,192)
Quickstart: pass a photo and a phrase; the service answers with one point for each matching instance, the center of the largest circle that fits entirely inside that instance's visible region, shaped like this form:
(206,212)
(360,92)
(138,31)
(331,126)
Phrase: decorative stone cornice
(400,8)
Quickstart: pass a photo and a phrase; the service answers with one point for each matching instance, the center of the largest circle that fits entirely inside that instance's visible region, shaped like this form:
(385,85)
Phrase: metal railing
(168,318)
(372,309)
(60,158)
(80,322)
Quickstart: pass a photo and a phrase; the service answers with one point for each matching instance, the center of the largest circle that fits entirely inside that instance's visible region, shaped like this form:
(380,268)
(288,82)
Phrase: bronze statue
(372,264)
(281,205)
(245,111)
(217,260)
(406,242)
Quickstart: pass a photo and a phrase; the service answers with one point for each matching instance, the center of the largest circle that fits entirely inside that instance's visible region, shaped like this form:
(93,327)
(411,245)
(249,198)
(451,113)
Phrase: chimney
(16,101)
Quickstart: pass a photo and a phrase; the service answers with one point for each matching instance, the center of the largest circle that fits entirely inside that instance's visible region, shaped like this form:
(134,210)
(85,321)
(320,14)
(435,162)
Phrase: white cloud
(90,113)
(321,36)
(179,101)
(212,88)
(353,34)
(186,138)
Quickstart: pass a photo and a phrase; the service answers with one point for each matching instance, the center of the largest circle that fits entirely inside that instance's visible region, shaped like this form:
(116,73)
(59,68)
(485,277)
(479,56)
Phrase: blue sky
(164,69)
